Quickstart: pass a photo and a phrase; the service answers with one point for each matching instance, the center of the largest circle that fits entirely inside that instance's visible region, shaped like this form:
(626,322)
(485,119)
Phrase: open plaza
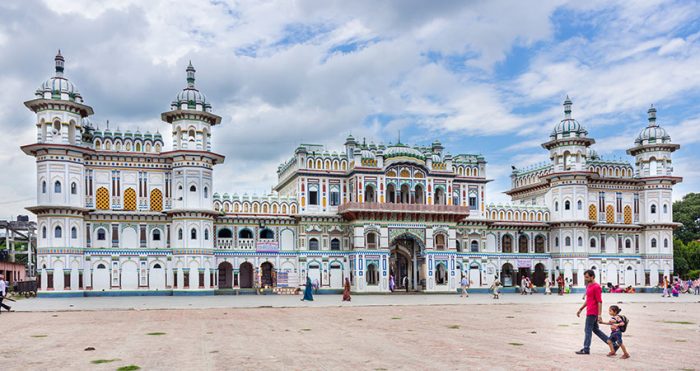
(373,332)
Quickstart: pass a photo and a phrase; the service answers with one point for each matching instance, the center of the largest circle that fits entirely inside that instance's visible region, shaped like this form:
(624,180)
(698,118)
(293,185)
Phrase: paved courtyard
(373,332)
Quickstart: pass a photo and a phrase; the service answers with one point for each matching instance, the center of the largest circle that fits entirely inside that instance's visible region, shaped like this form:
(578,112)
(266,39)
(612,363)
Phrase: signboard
(267,246)
(282,279)
(524,263)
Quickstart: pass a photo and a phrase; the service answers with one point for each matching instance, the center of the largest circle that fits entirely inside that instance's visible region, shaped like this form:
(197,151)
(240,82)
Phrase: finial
(652,115)
(399,141)
(567,107)
(59,63)
(190,75)
(107,124)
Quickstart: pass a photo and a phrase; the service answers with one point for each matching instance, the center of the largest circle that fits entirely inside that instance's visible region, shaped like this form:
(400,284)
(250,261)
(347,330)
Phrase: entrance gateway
(406,263)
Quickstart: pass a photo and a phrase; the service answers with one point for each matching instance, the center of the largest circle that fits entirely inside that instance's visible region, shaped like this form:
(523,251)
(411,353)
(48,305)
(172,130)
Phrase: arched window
(206,192)
(665,242)
(371,240)
(539,244)
(391,193)
(43,187)
(567,241)
(440,196)
(556,241)
(335,244)
(101,234)
(193,188)
(179,234)
(522,244)
(193,234)
(580,241)
(57,187)
(245,233)
(58,232)
(556,206)
(372,275)
(73,188)
(628,243)
(579,205)
(507,244)
(206,234)
(593,243)
(653,242)
(156,235)
(313,244)
(474,246)
(369,193)
(665,209)
(43,232)
(653,209)
(267,233)
(73,233)
(225,233)
(440,243)
(567,205)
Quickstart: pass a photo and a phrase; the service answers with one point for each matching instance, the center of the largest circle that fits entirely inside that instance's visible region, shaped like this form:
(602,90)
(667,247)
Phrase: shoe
(611,354)
(625,356)
(583,351)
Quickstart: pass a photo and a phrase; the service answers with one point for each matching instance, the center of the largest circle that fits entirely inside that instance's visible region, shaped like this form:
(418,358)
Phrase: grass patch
(101,361)
(129,368)
(679,322)
(156,333)
(39,336)
(395,317)
(681,340)
(516,344)
(454,327)
(306,329)
(510,317)
(563,325)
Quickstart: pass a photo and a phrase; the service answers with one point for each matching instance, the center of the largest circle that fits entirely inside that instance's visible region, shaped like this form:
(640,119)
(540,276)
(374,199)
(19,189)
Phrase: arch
(371,240)
(193,234)
(419,194)
(246,275)
(567,241)
(225,275)
(440,196)
(372,275)
(100,277)
(592,212)
(593,243)
(609,214)
(156,235)
(225,233)
(129,276)
(314,244)
(653,243)
(267,233)
(180,234)
(156,276)
(474,246)
(567,205)
(58,232)
(57,187)
(522,244)
(391,193)
(507,243)
(335,244)
(74,189)
(441,274)
(539,275)
(539,244)
(267,274)
(440,241)
(370,195)
(130,199)
(507,275)
(73,233)
(43,186)
(287,239)
(245,233)
(102,199)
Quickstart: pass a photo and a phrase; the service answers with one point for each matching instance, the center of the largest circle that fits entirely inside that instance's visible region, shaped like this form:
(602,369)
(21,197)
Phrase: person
(594,308)
(530,286)
(3,292)
(629,290)
(405,282)
(560,284)
(675,289)
(392,283)
(697,286)
(665,285)
(547,286)
(523,286)
(308,290)
(465,284)
(346,290)
(618,324)
(496,288)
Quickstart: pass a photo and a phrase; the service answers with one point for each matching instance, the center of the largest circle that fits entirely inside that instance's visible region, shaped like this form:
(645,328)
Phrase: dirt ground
(494,336)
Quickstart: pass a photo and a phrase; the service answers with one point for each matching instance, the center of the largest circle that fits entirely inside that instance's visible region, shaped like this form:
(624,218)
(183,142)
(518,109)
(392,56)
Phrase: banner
(524,263)
(267,246)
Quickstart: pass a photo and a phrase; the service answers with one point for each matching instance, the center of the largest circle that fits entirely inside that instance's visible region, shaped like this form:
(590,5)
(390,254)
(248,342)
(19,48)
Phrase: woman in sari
(346,290)
(308,290)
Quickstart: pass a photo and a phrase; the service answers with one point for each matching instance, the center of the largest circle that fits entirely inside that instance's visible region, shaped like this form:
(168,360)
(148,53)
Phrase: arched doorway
(404,263)
(246,275)
(507,275)
(156,277)
(539,275)
(475,274)
(225,275)
(100,277)
(268,274)
(440,274)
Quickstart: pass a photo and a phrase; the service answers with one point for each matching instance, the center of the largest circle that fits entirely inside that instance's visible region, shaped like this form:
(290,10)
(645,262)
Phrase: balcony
(353,210)
(230,244)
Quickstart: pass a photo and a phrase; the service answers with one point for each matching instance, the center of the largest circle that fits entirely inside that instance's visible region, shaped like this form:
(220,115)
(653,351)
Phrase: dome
(403,150)
(366,153)
(190,95)
(653,133)
(58,87)
(436,158)
(568,127)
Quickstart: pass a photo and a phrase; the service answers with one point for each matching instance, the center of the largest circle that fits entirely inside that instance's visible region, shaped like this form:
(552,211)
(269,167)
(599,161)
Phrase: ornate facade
(118,214)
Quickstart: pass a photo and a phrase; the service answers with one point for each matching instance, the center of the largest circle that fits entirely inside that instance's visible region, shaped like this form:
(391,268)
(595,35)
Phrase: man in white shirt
(3,291)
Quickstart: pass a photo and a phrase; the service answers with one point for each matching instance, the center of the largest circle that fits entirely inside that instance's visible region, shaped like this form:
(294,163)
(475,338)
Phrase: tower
(568,143)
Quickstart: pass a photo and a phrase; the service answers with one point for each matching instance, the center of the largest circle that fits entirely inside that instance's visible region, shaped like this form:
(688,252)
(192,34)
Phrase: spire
(567,107)
(59,63)
(652,116)
(190,75)
(399,141)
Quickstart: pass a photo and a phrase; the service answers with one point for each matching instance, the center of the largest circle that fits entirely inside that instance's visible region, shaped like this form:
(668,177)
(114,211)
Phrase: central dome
(399,149)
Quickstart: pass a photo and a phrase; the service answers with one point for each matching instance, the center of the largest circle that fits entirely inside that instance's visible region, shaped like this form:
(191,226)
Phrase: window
(73,188)
(179,234)
(206,234)
(455,197)
(593,243)
(313,195)
(193,234)
(58,232)
(567,205)
(225,233)
(567,241)
(556,241)
(579,205)
(335,196)
(653,209)
(580,241)
(628,244)
(369,193)
(101,234)
(665,209)
(245,233)
(472,201)
(267,233)
(665,242)
(206,192)
(313,244)
(43,232)
(193,188)
(507,244)
(57,187)
(43,187)
(440,242)
(156,235)
(335,244)
(556,206)
(653,242)
(371,240)
(372,275)
(74,233)
(474,246)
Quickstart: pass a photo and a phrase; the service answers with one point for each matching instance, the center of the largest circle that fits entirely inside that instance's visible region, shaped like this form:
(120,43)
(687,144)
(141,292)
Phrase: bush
(695,273)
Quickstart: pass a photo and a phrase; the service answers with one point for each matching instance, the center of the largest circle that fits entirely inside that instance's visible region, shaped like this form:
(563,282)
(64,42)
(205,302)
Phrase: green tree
(687,212)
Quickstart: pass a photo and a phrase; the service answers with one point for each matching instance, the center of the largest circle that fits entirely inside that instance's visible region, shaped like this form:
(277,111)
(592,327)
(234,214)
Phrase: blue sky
(484,77)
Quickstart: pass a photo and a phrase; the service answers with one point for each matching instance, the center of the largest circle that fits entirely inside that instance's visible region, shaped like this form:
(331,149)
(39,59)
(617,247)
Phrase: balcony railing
(230,244)
(403,208)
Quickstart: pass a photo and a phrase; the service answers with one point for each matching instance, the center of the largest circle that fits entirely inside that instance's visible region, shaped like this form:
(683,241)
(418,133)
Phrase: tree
(687,212)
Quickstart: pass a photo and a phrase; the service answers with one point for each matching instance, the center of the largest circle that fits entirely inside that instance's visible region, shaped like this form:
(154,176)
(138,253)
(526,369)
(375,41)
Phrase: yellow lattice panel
(102,199)
(592,213)
(610,215)
(628,215)
(156,200)
(130,199)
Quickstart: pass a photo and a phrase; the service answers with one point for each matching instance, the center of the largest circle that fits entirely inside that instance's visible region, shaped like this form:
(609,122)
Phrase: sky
(485,77)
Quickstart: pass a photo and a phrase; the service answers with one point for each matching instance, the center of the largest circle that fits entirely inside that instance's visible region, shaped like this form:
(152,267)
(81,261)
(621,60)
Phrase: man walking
(594,308)
(465,285)
(3,291)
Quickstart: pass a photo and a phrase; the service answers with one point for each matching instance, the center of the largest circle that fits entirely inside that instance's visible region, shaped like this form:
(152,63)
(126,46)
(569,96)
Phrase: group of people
(679,287)
(310,287)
